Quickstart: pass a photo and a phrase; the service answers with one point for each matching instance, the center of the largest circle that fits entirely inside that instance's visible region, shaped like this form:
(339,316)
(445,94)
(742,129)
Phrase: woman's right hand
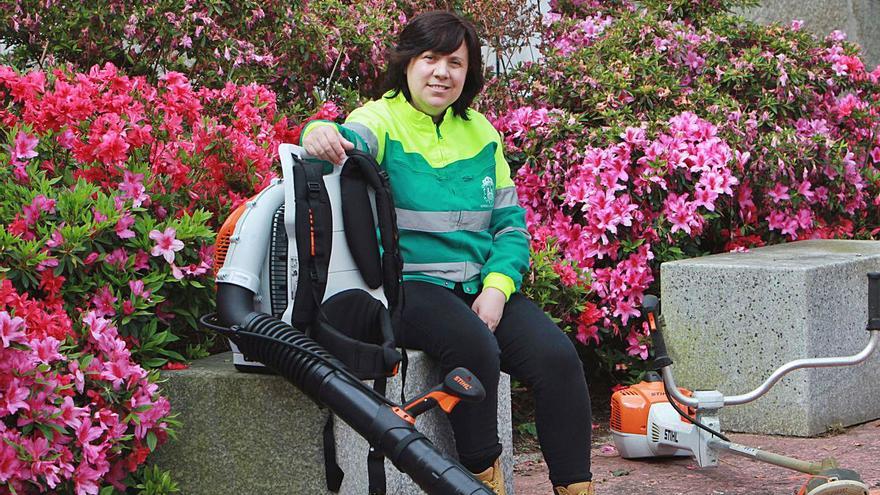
(325,142)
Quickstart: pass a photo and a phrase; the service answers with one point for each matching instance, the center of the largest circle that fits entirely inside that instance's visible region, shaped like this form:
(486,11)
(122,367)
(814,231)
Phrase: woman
(465,247)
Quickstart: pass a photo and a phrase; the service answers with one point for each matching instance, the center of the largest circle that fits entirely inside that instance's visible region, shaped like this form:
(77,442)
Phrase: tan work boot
(583,488)
(493,478)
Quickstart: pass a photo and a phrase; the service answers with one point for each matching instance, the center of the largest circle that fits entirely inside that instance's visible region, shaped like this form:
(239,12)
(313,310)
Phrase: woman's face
(435,80)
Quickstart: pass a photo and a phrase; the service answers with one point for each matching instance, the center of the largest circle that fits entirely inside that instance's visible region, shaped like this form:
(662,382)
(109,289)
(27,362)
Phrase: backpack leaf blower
(302,290)
(655,418)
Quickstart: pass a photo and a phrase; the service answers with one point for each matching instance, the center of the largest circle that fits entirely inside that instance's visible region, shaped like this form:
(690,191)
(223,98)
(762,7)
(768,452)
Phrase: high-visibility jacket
(457,209)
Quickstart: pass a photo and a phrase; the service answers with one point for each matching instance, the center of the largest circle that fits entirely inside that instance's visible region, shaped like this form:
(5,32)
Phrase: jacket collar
(404,109)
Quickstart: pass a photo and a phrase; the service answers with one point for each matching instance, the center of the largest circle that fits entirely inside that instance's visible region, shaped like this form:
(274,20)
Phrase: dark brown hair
(441,32)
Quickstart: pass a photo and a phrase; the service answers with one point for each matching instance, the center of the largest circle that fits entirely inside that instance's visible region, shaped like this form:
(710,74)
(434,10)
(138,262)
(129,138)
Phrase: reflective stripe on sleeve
(366,134)
(507,230)
(506,196)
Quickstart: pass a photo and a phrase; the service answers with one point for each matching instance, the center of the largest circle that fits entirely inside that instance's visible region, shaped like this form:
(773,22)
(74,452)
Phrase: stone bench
(734,318)
(250,433)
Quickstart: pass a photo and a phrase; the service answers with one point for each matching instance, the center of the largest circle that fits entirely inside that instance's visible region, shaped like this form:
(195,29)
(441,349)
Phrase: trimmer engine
(637,413)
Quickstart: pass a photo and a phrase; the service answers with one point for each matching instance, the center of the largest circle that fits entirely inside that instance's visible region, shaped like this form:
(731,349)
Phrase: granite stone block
(734,318)
(856,18)
(246,433)
(433,424)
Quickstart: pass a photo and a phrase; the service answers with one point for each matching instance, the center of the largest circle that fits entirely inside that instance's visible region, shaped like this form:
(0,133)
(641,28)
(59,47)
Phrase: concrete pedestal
(250,433)
(734,318)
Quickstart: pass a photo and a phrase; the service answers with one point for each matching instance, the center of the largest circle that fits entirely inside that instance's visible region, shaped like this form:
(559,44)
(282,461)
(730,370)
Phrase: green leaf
(155,362)
(152,441)
(528,429)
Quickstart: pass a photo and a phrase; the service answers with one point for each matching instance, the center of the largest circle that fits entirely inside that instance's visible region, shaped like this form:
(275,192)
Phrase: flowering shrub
(675,129)
(109,201)
(297,50)
(97,162)
(76,412)
(307,52)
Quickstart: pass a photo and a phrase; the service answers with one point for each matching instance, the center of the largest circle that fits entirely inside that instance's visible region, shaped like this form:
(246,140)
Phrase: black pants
(528,346)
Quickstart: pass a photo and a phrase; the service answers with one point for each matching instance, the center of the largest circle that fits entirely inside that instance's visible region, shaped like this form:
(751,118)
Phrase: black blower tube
(293,355)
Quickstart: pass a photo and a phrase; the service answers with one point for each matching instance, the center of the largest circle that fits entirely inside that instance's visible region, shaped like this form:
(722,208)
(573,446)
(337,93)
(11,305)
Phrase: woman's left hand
(489,306)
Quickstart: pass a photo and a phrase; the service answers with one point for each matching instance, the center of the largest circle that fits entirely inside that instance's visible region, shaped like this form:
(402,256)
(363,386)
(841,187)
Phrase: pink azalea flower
(9,329)
(778,193)
(24,147)
(636,348)
(103,302)
(10,465)
(71,415)
(137,289)
(117,371)
(176,272)
(98,216)
(123,224)
(567,275)
(86,479)
(14,397)
(587,333)
(79,378)
(46,264)
(56,239)
(133,188)
(113,149)
(67,139)
(141,260)
(45,350)
(40,204)
(117,258)
(681,213)
(166,244)
(625,309)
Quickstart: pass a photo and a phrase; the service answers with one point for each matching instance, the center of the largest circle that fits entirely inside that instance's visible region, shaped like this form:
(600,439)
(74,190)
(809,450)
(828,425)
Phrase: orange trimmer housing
(630,406)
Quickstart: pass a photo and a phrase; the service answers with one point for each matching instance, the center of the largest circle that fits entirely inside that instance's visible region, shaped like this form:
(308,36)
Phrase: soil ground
(856,448)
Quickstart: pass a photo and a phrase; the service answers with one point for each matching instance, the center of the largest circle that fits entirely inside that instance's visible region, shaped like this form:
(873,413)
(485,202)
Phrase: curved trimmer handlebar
(319,375)
(662,362)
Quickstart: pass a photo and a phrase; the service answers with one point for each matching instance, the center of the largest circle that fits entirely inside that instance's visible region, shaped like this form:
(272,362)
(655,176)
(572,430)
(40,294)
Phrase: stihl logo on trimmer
(459,380)
(670,436)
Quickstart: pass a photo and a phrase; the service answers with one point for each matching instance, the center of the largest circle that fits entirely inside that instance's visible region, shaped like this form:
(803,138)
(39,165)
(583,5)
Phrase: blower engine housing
(264,228)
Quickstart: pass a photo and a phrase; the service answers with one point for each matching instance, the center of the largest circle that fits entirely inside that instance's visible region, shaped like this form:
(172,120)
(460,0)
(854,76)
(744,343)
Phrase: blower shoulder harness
(353,325)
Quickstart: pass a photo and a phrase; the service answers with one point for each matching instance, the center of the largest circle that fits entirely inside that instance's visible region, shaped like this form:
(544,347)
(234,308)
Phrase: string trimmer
(655,418)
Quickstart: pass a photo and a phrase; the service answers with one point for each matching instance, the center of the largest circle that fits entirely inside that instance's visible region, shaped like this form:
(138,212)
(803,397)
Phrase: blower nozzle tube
(303,362)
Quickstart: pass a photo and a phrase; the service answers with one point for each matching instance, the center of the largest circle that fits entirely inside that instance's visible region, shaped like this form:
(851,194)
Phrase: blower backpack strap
(314,240)
(353,325)
(359,172)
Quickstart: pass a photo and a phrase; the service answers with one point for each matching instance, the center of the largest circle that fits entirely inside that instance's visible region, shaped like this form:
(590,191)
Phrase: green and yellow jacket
(457,209)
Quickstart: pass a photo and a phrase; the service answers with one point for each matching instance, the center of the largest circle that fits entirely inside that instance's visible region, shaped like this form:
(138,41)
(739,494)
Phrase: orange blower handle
(460,384)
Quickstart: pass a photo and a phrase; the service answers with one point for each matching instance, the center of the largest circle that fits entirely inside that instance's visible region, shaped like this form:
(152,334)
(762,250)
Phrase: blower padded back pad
(356,328)
(360,227)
